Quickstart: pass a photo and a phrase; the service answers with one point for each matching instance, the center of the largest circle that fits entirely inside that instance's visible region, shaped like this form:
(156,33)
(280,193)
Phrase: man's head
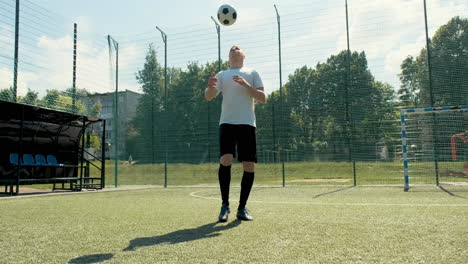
(236,56)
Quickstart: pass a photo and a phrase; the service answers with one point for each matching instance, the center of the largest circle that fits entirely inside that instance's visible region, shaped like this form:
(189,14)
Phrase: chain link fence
(336,75)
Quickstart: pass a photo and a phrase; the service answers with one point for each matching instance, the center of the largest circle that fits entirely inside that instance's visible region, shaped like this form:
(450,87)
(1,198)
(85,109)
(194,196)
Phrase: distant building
(127,106)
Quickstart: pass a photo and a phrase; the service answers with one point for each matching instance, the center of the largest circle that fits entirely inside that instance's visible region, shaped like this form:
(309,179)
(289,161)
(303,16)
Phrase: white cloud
(58,61)
(52,60)
(387,31)
(392,30)
(7,40)
(394,57)
(6,57)
(56,65)
(24,78)
(84,26)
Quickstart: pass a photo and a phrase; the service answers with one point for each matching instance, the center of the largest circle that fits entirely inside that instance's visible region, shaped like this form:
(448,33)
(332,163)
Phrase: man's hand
(257,94)
(238,79)
(211,91)
(212,81)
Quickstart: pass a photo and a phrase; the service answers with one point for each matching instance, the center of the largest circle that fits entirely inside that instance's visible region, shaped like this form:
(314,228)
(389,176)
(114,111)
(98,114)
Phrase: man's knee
(226,159)
(248,166)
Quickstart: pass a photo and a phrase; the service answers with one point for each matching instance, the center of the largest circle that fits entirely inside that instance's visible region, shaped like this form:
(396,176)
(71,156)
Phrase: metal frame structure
(404,136)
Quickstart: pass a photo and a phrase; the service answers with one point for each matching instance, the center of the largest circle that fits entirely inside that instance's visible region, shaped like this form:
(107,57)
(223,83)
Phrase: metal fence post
(116,108)
(15,70)
(164,37)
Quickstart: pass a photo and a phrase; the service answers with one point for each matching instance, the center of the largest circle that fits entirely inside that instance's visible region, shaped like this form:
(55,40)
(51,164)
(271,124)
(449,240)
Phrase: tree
(95,109)
(408,94)
(176,119)
(324,111)
(7,94)
(148,123)
(61,101)
(448,85)
(51,100)
(449,56)
(30,98)
(79,92)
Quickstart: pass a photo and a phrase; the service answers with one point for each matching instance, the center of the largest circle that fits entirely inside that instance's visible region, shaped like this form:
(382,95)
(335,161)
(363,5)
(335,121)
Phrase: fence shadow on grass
(451,193)
(88,259)
(334,191)
(185,235)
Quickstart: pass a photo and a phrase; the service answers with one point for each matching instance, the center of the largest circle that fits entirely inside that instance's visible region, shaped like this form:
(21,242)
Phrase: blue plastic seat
(41,160)
(52,160)
(14,158)
(28,160)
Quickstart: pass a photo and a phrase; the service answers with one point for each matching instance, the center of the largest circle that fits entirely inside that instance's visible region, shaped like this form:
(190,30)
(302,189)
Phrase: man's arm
(257,93)
(211,91)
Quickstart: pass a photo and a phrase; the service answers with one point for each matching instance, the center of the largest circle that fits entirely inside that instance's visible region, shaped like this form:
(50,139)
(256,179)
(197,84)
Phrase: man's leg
(247,183)
(224,176)
(248,156)
(227,147)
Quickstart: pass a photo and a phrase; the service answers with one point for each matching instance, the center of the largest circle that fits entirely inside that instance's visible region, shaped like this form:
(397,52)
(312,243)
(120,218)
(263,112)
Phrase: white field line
(194,194)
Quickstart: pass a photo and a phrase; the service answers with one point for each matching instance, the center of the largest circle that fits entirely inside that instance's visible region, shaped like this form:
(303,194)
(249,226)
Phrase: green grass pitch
(301,224)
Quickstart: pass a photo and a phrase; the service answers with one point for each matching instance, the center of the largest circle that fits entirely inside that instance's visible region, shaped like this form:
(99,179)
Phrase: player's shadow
(185,235)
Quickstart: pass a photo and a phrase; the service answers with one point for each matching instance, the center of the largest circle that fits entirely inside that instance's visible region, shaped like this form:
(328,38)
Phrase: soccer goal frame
(404,114)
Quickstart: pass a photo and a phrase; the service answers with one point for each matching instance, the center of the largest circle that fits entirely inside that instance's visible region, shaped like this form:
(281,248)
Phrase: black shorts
(242,136)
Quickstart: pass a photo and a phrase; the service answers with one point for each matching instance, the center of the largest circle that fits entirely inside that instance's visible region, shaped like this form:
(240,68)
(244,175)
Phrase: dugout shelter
(44,146)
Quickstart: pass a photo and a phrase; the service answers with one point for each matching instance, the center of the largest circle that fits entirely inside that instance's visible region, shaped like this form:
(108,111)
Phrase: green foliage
(62,101)
(447,84)
(449,67)
(95,110)
(95,142)
(180,111)
(410,87)
(147,136)
(30,98)
(322,112)
(7,94)
(55,100)
(316,103)
(79,92)
(308,116)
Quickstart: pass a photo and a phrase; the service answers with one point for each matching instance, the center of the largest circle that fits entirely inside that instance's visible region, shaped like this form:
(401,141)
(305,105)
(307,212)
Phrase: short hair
(236,46)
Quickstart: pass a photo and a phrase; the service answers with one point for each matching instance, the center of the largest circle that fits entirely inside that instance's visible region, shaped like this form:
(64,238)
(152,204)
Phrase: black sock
(224,176)
(246,186)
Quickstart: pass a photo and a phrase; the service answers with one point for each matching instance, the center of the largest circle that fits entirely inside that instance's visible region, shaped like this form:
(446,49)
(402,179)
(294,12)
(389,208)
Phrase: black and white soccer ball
(227,15)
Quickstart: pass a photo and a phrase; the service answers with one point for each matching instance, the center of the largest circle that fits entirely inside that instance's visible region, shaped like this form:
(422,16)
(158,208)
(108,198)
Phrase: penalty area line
(196,195)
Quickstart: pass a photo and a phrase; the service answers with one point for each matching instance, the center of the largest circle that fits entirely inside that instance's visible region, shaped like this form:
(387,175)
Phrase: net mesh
(332,114)
(437,147)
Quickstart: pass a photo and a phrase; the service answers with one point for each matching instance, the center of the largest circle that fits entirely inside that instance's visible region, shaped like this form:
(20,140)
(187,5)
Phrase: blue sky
(117,17)
(312,30)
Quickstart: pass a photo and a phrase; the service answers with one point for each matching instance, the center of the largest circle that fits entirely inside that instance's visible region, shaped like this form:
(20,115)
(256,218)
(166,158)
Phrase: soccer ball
(227,15)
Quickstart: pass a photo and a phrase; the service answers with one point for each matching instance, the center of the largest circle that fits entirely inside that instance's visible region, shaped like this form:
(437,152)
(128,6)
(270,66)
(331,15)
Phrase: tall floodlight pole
(75,36)
(15,69)
(218,31)
(164,37)
(281,89)
(350,125)
(431,96)
(112,41)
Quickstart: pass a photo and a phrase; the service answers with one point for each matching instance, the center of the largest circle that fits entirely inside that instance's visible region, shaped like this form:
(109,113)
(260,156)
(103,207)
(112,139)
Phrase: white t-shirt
(238,106)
